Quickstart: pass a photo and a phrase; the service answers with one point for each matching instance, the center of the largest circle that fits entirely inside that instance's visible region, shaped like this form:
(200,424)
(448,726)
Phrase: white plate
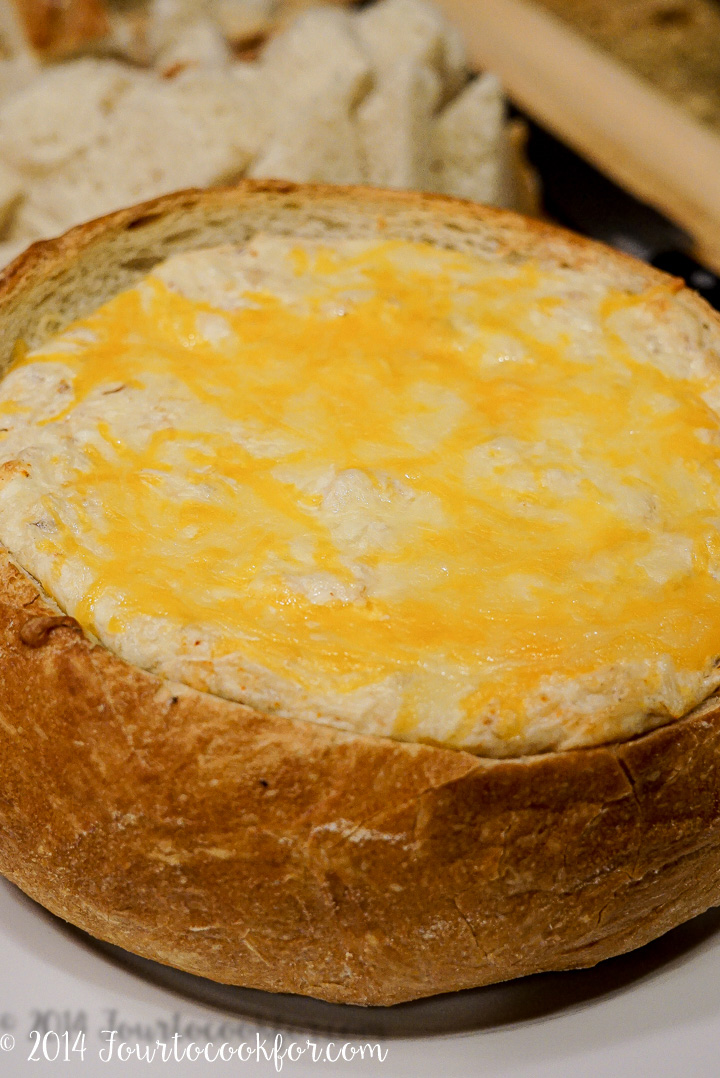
(656,1012)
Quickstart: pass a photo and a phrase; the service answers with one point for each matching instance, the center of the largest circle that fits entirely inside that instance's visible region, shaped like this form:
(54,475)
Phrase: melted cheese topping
(382,485)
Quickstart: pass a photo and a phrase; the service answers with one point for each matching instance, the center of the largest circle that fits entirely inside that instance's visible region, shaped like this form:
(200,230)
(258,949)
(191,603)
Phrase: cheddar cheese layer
(380,485)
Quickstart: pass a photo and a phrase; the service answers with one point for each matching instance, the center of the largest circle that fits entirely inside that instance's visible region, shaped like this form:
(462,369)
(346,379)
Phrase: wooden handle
(616,120)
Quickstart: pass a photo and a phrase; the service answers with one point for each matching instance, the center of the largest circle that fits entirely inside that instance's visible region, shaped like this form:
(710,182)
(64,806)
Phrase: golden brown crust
(140,236)
(521,232)
(58,28)
(291,857)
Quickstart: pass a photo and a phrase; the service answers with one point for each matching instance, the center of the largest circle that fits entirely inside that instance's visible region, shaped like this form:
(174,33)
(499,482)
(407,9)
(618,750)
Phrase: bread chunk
(395,123)
(54,30)
(469,156)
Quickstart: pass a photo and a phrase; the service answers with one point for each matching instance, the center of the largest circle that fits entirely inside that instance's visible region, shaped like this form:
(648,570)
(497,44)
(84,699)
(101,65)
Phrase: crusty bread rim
(40,269)
(292,857)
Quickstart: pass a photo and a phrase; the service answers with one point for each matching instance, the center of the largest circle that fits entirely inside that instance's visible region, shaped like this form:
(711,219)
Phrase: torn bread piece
(11,193)
(395,126)
(56,30)
(520,188)
(398,31)
(183,33)
(62,112)
(317,140)
(469,156)
(319,52)
(13,42)
(16,73)
(163,135)
(200,43)
(312,77)
(166,20)
(245,21)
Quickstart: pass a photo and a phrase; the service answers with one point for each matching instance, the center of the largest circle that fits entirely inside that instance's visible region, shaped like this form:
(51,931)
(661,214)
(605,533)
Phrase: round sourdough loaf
(290,856)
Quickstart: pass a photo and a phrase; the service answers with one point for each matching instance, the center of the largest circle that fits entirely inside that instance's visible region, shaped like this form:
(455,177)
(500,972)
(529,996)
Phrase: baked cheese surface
(381,485)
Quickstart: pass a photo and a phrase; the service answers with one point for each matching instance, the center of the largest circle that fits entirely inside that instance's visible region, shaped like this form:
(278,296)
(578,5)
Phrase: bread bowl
(288,853)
